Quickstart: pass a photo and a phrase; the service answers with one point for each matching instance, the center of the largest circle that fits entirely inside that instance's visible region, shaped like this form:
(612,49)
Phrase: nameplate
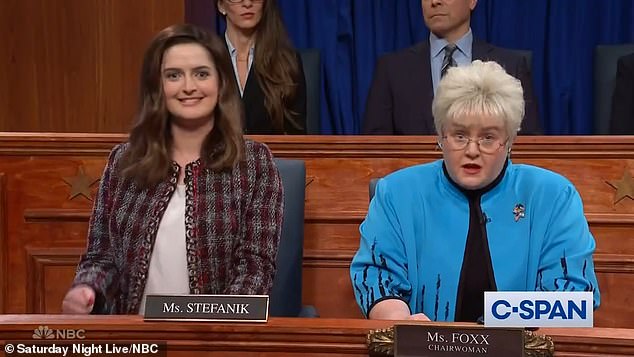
(239,308)
(431,341)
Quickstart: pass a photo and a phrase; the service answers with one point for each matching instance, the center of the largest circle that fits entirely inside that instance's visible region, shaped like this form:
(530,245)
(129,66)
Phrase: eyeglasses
(239,1)
(487,145)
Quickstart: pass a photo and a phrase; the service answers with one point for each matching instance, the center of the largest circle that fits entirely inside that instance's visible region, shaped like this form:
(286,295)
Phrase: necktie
(448,61)
(476,275)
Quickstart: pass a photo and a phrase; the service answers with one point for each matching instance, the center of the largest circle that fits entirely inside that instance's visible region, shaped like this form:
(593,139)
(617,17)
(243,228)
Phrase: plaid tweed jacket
(233,223)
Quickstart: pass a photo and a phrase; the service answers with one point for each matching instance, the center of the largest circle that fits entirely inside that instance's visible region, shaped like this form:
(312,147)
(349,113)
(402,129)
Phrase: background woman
(268,71)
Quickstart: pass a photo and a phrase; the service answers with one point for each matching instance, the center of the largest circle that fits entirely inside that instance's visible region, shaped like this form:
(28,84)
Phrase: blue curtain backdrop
(352,34)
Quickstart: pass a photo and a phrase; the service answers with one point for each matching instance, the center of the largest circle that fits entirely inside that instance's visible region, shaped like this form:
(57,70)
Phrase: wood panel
(46,267)
(338,168)
(73,65)
(280,336)
(3,240)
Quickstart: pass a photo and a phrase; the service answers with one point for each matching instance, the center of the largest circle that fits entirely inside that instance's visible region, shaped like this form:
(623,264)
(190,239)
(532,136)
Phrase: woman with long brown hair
(186,206)
(268,70)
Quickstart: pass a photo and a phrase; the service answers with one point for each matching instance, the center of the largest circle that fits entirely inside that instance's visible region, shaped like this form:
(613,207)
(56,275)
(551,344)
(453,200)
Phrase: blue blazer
(413,240)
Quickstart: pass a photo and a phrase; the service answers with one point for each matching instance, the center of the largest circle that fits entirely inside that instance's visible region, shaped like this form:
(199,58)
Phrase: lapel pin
(519,211)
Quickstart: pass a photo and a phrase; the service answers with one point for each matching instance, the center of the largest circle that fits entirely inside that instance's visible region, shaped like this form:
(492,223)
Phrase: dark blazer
(399,101)
(257,119)
(622,120)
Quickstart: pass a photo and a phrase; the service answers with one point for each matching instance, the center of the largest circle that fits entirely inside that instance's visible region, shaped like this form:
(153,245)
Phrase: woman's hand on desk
(394,309)
(419,317)
(79,300)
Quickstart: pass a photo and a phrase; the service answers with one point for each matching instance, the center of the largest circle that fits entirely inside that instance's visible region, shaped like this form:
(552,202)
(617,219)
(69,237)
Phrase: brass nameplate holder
(430,340)
(238,308)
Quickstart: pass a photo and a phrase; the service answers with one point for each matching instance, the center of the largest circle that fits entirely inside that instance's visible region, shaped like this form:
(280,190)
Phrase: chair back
(286,294)
(311,63)
(373,186)
(605,58)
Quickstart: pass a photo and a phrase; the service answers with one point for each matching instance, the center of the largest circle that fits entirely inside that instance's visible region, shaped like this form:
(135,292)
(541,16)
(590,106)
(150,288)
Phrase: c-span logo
(538,309)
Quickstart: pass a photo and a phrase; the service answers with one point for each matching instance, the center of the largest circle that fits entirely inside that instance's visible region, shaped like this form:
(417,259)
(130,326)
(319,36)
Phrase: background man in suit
(622,121)
(399,101)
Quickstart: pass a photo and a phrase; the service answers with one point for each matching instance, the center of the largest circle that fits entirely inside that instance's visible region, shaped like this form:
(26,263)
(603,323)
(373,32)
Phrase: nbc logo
(43,332)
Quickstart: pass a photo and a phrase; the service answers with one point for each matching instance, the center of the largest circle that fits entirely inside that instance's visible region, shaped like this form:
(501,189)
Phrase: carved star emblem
(80,184)
(624,187)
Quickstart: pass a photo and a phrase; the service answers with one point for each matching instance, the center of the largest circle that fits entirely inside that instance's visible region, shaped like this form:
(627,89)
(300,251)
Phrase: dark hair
(147,160)
(276,66)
